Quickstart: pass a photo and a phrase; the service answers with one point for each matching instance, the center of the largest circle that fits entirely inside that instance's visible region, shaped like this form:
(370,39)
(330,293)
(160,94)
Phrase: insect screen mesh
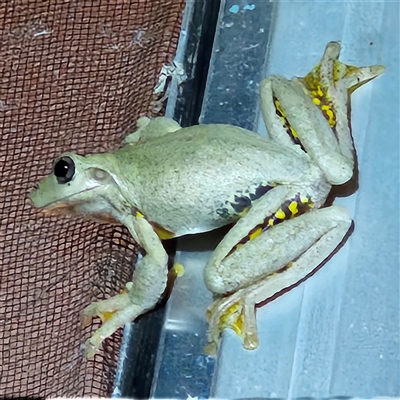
(74,75)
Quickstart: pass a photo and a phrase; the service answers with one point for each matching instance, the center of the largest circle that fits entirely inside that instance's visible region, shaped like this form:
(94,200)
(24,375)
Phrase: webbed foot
(237,312)
(114,313)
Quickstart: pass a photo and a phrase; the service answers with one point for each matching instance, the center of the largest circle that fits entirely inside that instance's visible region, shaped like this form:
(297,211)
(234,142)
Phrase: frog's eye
(64,169)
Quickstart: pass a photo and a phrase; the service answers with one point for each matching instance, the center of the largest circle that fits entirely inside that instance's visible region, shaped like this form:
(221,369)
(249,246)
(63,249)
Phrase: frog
(166,181)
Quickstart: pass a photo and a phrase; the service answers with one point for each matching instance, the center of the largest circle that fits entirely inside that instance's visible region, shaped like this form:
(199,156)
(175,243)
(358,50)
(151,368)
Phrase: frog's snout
(37,195)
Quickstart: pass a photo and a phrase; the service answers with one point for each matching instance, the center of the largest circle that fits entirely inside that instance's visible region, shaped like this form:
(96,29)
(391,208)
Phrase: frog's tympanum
(167,181)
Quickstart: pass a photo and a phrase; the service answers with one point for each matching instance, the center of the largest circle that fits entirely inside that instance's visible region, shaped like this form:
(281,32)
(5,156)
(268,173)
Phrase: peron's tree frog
(167,181)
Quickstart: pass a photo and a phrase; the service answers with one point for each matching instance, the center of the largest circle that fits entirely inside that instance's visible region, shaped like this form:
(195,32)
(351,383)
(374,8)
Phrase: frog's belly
(194,224)
(193,211)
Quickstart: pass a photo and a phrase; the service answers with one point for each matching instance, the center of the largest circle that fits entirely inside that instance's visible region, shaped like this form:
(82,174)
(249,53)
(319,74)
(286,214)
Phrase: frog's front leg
(276,245)
(141,295)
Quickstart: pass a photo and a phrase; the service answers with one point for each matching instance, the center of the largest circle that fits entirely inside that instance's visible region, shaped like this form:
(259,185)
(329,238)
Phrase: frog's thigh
(266,205)
(301,244)
(310,125)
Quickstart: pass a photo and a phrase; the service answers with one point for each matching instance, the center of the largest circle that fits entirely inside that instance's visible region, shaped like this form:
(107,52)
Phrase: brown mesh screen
(74,75)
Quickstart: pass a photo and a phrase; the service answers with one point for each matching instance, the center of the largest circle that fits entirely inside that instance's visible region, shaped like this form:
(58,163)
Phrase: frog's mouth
(58,209)
(73,209)
(51,200)
(52,205)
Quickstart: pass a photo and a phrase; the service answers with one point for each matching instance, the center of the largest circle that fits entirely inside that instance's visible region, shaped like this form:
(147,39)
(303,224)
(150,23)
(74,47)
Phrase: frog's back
(220,147)
(199,178)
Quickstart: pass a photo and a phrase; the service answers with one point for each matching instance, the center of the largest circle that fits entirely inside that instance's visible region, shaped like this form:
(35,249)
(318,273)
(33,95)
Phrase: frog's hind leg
(148,128)
(313,112)
(276,259)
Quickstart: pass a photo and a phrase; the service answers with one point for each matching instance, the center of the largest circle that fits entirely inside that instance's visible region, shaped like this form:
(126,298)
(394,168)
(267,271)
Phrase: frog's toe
(211,347)
(86,320)
(90,310)
(250,340)
(90,349)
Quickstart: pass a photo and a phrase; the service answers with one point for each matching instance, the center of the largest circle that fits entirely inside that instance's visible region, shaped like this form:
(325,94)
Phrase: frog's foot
(267,262)
(105,308)
(114,313)
(237,312)
(116,320)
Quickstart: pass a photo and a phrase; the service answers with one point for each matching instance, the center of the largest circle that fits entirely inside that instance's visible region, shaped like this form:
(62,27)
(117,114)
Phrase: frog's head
(81,185)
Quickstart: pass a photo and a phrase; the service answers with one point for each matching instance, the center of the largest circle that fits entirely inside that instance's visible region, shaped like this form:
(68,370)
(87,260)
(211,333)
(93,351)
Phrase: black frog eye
(64,169)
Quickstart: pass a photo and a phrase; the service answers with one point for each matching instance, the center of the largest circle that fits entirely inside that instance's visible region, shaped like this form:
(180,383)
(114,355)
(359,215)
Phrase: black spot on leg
(289,209)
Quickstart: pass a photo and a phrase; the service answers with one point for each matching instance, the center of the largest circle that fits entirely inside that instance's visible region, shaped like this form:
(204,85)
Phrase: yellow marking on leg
(283,118)
(229,320)
(293,208)
(320,97)
(293,132)
(256,233)
(280,214)
(105,316)
(329,114)
(306,200)
(161,232)
(316,101)
(289,209)
(244,212)
(271,222)
(279,108)
(237,326)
